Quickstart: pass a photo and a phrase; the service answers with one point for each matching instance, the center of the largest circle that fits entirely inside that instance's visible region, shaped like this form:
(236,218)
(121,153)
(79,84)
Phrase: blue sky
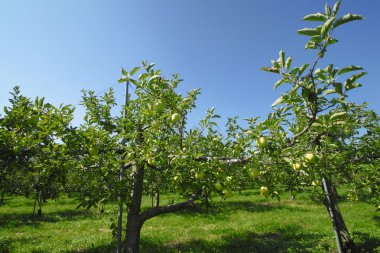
(57,48)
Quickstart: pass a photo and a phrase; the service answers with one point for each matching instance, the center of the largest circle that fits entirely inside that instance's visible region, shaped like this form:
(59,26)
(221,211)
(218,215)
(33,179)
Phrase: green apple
(199,175)
(159,106)
(93,151)
(150,161)
(310,157)
(253,173)
(297,166)
(262,142)
(218,186)
(155,125)
(264,191)
(175,178)
(175,117)
(104,170)
(227,193)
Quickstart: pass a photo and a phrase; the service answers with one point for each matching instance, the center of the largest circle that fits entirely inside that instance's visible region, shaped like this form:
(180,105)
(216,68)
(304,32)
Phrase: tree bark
(2,197)
(344,241)
(133,227)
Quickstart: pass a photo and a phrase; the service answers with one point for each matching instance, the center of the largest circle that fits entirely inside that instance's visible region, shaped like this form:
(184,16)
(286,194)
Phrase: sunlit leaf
(315,17)
(349,68)
(346,18)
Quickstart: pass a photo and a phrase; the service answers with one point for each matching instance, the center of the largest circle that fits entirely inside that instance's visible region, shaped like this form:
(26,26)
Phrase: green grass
(243,223)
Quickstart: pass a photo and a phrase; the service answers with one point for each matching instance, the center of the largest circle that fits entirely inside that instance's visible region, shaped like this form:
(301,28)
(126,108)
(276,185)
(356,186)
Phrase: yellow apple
(264,191)
(310,157)
(315,183)
(262,142)
(297,166)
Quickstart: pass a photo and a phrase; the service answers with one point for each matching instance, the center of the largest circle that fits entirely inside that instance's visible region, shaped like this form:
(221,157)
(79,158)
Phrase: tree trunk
(157,197)
(133,227)
(37,200)
(2,197)
(344,242)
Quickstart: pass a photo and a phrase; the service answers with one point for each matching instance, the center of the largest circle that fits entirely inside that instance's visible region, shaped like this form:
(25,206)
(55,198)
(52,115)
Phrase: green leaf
(278,83)
(327,26)
(315,17)
(134,70)
(311,45)
(331,41)
(316,124)
(349,68)
(278,101)
(330,91)
(355,77)
(282,58)
(328,10)
(346,18)
(337,115)
(294,71)
(271,69)
(125,73)
(288,63)
(338,88)
(302,69)
(352,86)
(336,7)
(309,31)
(123,79)
(288,160)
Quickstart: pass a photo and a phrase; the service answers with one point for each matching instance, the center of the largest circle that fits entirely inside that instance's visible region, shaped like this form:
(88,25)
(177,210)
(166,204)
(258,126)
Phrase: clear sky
(57,48)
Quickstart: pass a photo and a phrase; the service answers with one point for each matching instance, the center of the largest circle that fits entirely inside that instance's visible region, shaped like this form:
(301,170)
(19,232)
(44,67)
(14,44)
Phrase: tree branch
(227,160)
(155,211)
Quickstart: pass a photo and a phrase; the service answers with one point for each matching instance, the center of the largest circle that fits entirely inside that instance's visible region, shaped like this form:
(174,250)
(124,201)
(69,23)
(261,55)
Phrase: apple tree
(34,157)
(317,120)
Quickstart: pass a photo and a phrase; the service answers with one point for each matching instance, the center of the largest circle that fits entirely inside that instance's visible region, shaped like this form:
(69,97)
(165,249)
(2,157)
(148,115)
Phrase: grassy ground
(243,223)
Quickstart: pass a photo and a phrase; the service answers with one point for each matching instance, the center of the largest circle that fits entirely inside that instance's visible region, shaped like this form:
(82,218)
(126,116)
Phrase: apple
(104,170)
(264,191)
(315,183)
(150,161)
(175,117)
(93,151)
(159,106)
(229,179)
(218,186)
(297,166)
(155,125)
(262,142)
(227,193)
(175,178)
(253,173)
(199,175)
(310,157)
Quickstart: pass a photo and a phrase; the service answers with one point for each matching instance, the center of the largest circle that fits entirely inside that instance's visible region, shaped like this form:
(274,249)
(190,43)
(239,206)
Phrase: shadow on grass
(226,208)
(17,220)
(289,239)
(365,242)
